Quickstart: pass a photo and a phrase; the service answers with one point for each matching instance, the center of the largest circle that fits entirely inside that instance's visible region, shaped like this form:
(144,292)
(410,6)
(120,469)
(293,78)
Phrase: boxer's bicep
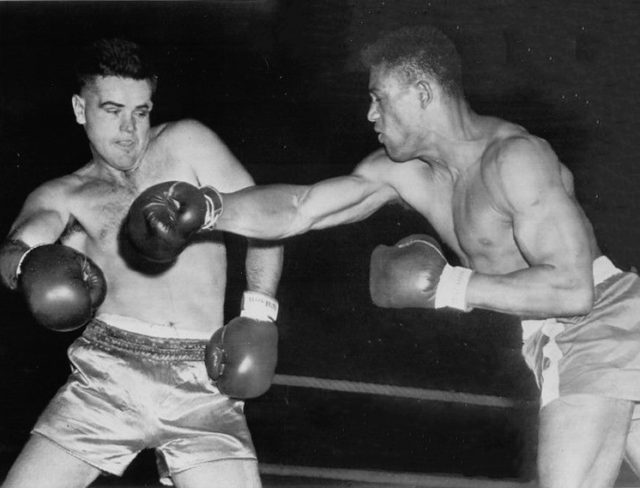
(341,200)
(213,163)
(548,225)
(42,219)
(551,232)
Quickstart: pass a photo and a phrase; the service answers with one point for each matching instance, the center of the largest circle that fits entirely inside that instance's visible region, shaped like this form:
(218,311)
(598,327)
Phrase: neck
(102,170)
(458,138)
(107,170)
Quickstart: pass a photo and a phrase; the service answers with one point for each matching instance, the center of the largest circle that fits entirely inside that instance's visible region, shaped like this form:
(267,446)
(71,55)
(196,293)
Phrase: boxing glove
(163,218)
(414,273)
(241,356)
(62,287)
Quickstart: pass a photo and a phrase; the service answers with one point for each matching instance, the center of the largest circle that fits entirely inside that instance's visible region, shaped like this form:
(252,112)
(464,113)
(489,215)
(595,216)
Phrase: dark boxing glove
(414,273)
(62,287)
(163,218)
(241,357)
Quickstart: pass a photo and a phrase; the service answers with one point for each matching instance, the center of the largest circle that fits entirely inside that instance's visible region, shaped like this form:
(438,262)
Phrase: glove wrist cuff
(213,200)
(452,288)
(258,306)
(21,262)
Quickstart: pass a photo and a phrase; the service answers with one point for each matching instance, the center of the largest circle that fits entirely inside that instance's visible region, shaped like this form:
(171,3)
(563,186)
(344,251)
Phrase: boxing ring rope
(386,478)
(395,391)
(389,479)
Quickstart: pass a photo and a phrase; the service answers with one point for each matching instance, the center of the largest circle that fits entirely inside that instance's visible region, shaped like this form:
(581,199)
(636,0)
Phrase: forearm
(41,227)
(11,252)
(280,211)
(264,266)
(261,212)
(535,292)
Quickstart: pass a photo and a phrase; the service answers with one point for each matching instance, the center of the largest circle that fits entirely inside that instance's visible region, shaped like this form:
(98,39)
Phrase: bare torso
(189,294)
(469,212)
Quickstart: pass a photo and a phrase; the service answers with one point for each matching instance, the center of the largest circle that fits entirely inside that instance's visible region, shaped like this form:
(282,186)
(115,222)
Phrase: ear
(78,104)
(425,92)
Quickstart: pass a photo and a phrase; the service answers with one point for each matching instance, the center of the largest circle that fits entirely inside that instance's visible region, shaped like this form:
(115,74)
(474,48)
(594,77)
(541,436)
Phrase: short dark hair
(415,51)
(114,57)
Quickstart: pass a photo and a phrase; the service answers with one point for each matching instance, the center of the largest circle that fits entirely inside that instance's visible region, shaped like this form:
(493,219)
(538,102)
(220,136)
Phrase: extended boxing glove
(62,287)
(241,356)
(415,274)
(164,218)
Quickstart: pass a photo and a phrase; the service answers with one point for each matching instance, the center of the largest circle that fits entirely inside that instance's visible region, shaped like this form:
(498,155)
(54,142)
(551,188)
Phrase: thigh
(239,473)
(44,464)
(632,450)
(582,440)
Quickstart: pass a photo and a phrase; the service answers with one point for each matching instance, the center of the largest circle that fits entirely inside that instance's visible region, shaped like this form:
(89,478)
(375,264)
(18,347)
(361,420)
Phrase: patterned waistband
(110,338)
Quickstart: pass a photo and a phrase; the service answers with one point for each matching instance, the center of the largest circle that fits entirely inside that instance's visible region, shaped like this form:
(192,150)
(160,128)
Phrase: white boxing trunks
(130,391)
(597,353)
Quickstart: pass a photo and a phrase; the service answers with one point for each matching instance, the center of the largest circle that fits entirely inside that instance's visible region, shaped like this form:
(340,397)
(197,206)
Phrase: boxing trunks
(597,353)
(130,391)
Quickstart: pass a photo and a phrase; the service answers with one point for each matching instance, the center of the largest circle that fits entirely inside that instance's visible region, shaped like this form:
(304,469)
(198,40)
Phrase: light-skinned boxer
(139,377)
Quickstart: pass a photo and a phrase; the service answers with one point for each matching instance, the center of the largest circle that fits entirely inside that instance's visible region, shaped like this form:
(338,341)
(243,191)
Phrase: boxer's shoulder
(57,189)
(191,145)
(517,155)
(181,132)
(379,167)
(376,158)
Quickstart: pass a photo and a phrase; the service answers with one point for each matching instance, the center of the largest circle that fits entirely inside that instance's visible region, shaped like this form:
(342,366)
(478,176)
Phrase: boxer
(500,199)
(139,376)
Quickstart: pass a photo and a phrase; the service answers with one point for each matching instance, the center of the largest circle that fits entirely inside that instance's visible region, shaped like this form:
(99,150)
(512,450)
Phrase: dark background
(279,81)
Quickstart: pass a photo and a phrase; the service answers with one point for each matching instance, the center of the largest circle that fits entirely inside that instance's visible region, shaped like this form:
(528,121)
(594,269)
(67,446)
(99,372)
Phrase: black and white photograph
(320,244)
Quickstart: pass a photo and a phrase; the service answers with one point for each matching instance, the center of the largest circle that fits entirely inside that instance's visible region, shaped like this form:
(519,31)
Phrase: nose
(127,123)
(372,114)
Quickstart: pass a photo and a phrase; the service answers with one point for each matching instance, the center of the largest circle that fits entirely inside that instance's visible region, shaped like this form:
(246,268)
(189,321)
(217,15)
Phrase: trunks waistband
(111,338)
(137,326)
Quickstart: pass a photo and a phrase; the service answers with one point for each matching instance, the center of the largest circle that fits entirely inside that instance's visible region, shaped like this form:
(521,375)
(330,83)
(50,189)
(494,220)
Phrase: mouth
(125,143)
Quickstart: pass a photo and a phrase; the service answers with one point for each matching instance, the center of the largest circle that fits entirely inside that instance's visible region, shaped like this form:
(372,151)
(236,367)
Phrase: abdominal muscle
(188,296)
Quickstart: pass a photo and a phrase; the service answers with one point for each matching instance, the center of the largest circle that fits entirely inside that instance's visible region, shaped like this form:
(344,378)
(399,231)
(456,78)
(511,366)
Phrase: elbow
(299,219)
(579,301)
(298,224)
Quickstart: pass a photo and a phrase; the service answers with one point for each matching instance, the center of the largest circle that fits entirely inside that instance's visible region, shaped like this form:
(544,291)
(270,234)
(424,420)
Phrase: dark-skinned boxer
(499,198)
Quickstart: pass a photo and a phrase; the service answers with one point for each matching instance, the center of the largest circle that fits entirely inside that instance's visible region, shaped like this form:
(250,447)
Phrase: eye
(142,113)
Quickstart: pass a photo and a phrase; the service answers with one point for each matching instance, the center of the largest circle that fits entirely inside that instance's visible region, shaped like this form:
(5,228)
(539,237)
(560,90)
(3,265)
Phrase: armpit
(72,227)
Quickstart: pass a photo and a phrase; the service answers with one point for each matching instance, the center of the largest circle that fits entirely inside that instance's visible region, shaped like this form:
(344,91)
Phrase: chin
(396,155)
(123,165)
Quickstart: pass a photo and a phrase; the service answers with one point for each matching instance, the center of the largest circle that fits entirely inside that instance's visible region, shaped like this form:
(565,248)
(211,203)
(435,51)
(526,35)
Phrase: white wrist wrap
(259,306)
(214,207)
(452,288)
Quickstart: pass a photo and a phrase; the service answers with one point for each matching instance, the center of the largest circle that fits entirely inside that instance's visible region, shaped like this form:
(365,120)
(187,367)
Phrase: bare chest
(100,207)
(483,230)
(98,212)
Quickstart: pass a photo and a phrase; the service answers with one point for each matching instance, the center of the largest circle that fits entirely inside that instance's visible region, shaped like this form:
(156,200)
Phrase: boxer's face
(394,111)
(115,114)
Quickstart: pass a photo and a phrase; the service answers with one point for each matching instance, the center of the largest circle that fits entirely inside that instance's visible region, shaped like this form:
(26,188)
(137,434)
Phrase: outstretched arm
(279,211)
(551,232)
